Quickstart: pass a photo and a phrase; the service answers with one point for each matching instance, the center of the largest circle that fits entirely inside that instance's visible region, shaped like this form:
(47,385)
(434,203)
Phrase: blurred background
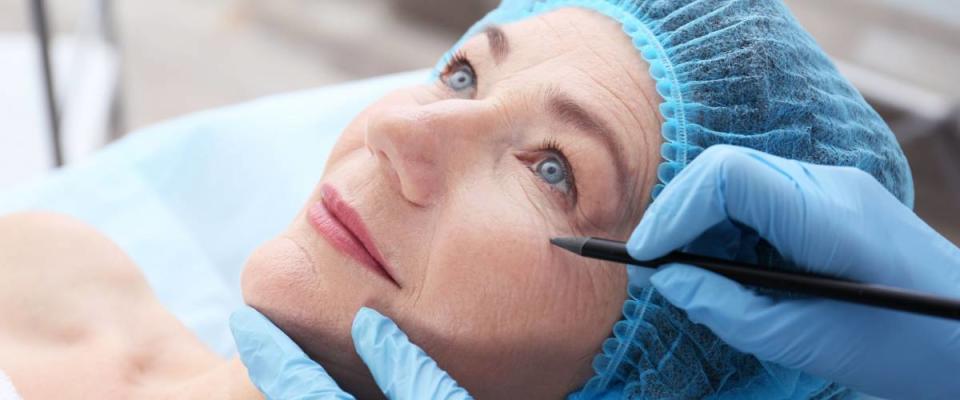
(120,65)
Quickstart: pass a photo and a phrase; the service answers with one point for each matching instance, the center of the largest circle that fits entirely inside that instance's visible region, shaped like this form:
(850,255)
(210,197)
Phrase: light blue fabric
(190,199)
(739,72)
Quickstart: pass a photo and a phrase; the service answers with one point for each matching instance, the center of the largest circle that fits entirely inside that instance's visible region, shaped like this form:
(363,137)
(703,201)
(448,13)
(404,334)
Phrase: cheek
(500,305)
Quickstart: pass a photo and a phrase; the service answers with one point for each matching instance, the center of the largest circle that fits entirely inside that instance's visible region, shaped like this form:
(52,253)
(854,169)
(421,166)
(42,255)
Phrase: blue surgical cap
(741,72)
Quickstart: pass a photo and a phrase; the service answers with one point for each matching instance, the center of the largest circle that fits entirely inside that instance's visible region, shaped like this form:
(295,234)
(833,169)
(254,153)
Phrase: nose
(422,147)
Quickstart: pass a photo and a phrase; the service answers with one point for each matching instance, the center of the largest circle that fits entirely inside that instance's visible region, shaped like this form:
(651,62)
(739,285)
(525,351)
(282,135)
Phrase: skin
(446,183)
(78,320)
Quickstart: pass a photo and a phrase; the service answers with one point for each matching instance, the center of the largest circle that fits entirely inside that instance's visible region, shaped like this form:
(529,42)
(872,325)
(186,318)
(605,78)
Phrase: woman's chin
(281,281)
(276,274)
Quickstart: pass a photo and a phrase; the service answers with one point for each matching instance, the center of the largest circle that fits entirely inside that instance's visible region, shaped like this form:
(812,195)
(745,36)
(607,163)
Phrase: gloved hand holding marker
(834,221)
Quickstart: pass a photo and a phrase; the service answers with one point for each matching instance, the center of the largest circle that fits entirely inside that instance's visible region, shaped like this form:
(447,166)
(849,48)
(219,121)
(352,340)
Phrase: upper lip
(352,221)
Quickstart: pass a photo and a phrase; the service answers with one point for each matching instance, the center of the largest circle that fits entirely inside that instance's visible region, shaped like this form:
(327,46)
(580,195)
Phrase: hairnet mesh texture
(657,353)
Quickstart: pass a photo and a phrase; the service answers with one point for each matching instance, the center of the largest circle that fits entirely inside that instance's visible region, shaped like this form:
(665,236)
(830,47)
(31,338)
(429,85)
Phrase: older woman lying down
(436,206)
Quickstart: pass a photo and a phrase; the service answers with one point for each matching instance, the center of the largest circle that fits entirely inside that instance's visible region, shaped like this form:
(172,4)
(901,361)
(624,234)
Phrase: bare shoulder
(37,246)
(71,298)
(44,226)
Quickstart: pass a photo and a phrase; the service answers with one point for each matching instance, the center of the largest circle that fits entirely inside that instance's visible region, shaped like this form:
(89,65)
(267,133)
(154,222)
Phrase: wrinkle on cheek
(303,251)
(590,294)
(586,224)
(541,204)
(424,266)
(427,266)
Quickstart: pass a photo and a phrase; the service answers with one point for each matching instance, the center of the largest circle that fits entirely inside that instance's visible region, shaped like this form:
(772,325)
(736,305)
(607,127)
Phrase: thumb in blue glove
(831,220)
(281,370)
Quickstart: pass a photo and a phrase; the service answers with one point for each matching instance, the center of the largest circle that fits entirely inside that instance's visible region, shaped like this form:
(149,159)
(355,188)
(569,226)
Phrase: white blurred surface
(85,72)
(24,144)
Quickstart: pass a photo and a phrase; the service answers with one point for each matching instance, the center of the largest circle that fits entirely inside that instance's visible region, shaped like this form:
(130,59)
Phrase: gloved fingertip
(244,316)
(249,320)
(678,283)
(384,348)
(368,324)
(366,315)
(640,245)
(246,324)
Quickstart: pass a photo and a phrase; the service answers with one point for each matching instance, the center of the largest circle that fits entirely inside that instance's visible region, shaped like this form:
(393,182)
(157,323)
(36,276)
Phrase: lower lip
(328,226)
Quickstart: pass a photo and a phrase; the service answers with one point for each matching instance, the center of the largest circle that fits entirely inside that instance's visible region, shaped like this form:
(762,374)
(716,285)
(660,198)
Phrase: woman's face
(546,127)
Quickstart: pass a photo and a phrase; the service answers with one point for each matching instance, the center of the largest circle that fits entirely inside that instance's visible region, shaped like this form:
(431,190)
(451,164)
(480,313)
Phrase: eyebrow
(565,109)
(497,40)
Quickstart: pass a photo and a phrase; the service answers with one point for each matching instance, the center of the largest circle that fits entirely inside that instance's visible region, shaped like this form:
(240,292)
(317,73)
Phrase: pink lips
(340,224)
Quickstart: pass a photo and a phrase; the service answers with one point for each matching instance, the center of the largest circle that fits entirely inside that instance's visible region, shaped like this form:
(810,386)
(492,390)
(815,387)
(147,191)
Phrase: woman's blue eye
(461,79)
(552,171)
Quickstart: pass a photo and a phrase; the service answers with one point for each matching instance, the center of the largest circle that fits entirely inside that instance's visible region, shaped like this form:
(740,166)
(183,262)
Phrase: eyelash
(551,146)
(459,59)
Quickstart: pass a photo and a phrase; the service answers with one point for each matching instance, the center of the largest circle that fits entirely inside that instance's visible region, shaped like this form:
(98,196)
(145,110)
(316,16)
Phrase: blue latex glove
(833,220)
(281,370)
